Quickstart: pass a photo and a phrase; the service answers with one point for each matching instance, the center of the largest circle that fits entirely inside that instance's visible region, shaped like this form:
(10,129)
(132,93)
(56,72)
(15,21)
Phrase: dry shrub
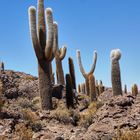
(25,103)
(29,115)
(61,113)
(30,78)
(86,117)
(128,135)
(32,119)
(23,132)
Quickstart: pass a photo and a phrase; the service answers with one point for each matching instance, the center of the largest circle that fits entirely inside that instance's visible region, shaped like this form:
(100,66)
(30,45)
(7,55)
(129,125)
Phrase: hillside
(22,118)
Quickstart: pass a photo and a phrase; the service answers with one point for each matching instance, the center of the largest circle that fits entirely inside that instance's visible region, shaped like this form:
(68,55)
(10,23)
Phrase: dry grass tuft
(61,113)
(86,117)
(128,135)
(23,132)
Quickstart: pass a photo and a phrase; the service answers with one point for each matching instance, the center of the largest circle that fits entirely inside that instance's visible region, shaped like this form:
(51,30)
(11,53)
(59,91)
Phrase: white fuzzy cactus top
(115,54)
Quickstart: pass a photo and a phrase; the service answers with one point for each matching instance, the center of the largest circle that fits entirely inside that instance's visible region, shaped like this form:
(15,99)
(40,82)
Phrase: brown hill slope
(21,117)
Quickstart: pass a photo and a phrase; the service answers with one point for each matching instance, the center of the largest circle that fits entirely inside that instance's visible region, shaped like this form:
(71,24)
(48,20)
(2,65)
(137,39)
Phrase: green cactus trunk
(87,86)
(45,91)
(72,72)
(43,47)
(59,71)
(92,89)
(69,92)
(125,89)
(79,88)
(116,78)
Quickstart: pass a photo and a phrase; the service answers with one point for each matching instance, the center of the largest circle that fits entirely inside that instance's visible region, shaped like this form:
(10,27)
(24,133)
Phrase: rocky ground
(22,119)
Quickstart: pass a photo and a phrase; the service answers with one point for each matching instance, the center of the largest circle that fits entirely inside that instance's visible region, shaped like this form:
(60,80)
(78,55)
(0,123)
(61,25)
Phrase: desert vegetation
(41,108)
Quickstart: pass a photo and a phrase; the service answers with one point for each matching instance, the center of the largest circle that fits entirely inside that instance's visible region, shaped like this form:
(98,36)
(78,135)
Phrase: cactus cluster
(45,44)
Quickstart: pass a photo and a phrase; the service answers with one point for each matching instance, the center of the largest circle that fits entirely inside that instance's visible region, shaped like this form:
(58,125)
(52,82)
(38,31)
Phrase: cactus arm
(94,63)
(80,64)
(33,32)
(55,40)
(49,43)
(63,51)
(41,24)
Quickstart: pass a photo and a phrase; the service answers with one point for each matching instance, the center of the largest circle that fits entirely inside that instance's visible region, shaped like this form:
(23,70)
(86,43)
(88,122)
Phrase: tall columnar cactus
(86,75)
(101,87)
(92,88)
(79,88)
(97,88)
(72,72)
(115,72)
(135,90)
(43,49)
(59,56)
(69,92)
(2,66)
(125,89)
(83,88)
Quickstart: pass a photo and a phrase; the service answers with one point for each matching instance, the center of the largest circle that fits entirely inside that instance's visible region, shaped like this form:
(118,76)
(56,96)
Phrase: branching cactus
(43,49)
(69,92)
(72,72)
(92,88)
(86,75)
(59,56)
(115,72)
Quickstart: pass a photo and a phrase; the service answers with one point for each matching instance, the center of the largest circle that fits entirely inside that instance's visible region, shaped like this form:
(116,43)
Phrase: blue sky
(83,24)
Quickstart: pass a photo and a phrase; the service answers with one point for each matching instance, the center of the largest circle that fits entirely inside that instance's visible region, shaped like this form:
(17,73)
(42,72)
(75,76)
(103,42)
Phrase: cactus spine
(86,75)
(115,72)
(59,56)
(92,88)
(43,50)
(69,92)
(72,72)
